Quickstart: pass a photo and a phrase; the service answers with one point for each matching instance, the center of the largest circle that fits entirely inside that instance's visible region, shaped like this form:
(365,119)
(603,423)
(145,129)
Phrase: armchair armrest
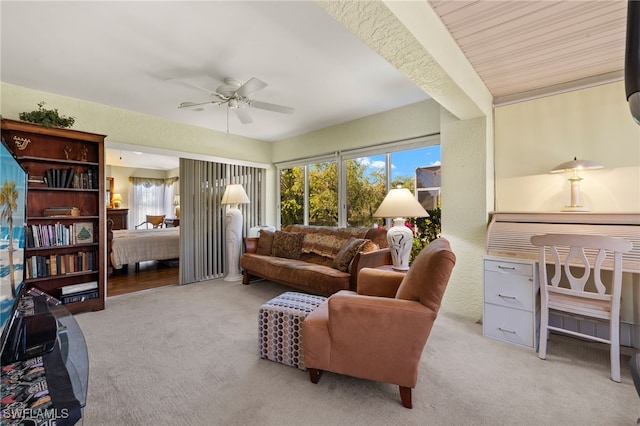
(250,244)
(370,259)
(377,282)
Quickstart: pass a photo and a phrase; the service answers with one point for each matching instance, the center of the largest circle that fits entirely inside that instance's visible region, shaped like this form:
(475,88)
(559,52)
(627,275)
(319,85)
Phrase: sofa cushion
(287,244)
(323,244)
(265,242)
(344,257)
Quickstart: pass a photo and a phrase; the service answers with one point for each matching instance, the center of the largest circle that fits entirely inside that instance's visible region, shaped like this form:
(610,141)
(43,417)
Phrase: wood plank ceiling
(526,48)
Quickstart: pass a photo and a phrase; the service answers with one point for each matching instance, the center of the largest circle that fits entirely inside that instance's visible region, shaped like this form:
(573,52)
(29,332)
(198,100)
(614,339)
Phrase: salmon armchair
(378,333)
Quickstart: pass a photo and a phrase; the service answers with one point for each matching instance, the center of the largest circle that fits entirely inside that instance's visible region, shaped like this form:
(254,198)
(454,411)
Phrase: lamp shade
(176,200)
(400,202)
(234,194)
(116,199)
(576,164)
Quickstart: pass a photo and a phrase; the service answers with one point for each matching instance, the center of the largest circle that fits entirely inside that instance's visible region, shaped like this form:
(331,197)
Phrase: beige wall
(533,137)
(128,127)
(407,122)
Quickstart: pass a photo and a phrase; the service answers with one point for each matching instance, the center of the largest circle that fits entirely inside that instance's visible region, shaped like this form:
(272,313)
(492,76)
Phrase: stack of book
(79,292)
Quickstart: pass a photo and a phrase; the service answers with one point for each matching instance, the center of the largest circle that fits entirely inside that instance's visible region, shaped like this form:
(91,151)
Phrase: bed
(140,245)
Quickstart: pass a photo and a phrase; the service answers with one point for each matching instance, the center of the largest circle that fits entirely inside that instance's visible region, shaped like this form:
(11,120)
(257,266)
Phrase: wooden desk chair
(154,221)
(573,257)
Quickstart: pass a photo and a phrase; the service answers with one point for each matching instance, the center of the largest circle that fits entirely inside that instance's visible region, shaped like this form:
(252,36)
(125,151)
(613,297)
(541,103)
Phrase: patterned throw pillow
(345,255)
(323,245)
(287,244)
(265,242)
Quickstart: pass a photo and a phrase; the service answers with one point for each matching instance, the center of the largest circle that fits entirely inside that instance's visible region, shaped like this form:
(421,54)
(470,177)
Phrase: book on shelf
(61,211)
(79,288)
(39,266)
(80,296)
(70,178)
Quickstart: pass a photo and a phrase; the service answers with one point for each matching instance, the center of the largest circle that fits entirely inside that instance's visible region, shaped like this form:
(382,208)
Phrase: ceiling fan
(236,96)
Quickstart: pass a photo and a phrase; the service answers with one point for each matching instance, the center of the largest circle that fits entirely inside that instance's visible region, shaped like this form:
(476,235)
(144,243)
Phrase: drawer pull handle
(508,268)
(504,296)
(506,330)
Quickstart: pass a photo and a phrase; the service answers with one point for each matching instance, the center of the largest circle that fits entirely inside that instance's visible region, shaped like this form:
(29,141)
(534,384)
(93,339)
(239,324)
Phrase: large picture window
(348,188)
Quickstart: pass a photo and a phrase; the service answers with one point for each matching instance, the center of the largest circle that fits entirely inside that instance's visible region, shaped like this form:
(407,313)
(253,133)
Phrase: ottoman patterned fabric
(280,327)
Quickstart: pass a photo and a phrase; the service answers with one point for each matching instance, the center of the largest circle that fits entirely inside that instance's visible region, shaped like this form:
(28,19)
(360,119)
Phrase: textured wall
(464,214)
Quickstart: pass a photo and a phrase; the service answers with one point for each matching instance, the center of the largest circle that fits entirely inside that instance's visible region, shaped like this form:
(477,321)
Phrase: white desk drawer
(509,268)
(515,291)
(508,324)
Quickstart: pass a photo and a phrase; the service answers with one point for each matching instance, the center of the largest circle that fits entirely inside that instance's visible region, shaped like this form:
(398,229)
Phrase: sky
(404,163)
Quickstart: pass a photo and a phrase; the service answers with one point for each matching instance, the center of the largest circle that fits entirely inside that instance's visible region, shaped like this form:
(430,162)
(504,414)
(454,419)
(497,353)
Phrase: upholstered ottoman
(280,327)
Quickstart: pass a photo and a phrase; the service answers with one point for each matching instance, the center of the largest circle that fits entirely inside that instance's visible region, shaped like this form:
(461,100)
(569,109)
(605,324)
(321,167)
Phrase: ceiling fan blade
(243,115)
(193,104)
(271,107)
(190,84)
(251,86)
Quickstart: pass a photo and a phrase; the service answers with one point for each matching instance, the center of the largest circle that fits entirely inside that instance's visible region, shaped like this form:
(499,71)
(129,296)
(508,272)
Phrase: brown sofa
(314,259)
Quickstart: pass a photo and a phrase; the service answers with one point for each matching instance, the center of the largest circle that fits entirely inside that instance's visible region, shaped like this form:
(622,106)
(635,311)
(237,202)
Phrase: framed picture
(83,232)
(13,184)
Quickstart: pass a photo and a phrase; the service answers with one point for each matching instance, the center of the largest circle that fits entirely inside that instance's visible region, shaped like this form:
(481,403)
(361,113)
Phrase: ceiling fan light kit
(235,95)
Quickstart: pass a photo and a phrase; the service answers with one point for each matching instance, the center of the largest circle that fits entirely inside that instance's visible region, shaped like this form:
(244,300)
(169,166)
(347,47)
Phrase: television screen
(13,194)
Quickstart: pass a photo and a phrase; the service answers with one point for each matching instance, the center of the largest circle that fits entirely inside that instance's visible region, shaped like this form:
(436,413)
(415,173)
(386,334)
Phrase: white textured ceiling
(129,55)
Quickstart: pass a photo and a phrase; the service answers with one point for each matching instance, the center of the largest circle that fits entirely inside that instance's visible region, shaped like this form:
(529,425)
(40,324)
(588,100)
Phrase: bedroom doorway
(151,274)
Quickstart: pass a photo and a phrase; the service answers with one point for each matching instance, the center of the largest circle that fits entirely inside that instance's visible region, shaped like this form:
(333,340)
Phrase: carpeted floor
(187,355)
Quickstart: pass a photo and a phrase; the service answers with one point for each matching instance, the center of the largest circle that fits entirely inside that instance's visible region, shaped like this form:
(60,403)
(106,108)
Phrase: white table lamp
(117,200)
(400,204)
(574,166)
(233,195)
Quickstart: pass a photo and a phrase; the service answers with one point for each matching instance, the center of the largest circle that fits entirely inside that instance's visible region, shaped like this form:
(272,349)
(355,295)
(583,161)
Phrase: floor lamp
(233,195)
(400,204)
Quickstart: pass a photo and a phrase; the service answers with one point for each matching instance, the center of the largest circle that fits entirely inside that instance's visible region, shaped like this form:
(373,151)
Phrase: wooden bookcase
(65,169)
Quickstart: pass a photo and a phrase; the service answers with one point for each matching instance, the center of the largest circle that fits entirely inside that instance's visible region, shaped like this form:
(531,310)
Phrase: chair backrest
(429,274)
(155,221)
(575,256)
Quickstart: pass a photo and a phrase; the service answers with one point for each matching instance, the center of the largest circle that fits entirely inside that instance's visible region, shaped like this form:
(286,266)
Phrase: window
(149,196)
(366,188)
(318,192)
(323,194)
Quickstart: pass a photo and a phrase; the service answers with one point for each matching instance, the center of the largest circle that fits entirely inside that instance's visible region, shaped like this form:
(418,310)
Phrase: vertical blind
(202,234)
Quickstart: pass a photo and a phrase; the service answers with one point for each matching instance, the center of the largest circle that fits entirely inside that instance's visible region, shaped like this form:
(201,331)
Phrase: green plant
(426,229)
(47,117)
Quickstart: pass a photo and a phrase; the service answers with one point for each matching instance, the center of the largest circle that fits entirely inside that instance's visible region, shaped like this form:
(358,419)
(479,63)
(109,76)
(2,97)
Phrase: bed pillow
(287,244)
(344,257)
(265,242)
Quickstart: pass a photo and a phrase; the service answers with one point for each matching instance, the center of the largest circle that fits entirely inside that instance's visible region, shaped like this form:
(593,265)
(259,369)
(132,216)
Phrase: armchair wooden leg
(314,375)
(405,396)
